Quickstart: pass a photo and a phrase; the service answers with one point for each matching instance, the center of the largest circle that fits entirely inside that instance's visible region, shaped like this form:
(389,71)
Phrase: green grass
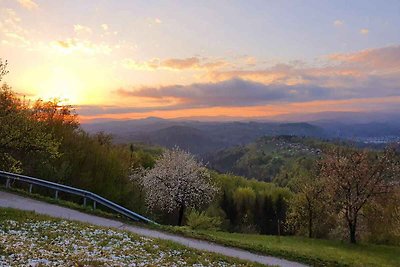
(312,251)
(27,238)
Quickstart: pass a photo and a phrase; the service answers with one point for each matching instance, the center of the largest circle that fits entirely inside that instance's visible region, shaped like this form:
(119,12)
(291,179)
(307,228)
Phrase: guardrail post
(8,183)
(30,188)
(56,195)
(84,201)
(94,205)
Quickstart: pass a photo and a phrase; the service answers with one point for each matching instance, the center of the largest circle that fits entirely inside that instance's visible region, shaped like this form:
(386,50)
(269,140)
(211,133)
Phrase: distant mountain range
(199,137)
(202,137)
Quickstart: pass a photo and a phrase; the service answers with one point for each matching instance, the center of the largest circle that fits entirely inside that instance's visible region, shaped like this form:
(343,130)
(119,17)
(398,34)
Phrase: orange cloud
(180,64)
(263,76)
(375,59)
(28,4)
(363,69)
(192,63)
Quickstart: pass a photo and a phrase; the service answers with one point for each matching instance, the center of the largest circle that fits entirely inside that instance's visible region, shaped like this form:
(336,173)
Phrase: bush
(201,221)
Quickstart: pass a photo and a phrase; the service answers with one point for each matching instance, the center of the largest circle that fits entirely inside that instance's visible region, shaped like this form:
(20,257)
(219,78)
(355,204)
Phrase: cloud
(234,92)
(180,64)
(360,69)
(344,81)
(338,23)
(368,73)
(364,31)
(152,64)
(191,63)
(72,45)
(80,29)
(237,93)
(28,4)
(375,60)
(11,31)
(391,104)
(250,61)
(104,27)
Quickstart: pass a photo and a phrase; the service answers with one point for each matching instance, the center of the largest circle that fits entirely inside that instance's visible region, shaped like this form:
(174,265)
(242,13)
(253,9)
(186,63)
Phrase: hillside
(28,239)
(264,158)
(204,137)
(187,138)
(199,137)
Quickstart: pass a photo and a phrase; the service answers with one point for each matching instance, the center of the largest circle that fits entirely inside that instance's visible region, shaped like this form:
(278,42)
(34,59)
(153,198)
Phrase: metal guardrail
(74,191)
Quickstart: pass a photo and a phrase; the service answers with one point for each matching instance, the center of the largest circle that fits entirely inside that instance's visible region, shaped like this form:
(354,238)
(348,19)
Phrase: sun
(63,85)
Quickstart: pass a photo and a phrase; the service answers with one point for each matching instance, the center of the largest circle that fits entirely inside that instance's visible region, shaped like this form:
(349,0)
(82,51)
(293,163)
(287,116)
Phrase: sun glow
(61,84)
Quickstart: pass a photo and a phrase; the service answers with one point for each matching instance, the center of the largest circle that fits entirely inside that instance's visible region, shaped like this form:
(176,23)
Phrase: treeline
(251,206)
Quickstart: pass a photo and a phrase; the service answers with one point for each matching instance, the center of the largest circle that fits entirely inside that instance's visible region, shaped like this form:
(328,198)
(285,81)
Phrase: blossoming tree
(178,181)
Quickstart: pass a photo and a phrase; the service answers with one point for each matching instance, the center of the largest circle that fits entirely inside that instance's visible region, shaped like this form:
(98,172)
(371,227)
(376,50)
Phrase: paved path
(23,203)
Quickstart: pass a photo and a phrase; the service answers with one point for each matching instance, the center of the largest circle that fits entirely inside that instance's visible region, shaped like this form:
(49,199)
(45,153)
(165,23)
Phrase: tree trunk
(352,231)
(310,223)
(181,213)
(353,234)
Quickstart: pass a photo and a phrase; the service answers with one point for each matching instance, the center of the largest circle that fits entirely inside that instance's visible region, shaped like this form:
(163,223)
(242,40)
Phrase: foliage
(266,158)
(201,221)
(353,178)
(21,135)
(308,211)
(177,182)
(251,205)
(45,140)
(382,219)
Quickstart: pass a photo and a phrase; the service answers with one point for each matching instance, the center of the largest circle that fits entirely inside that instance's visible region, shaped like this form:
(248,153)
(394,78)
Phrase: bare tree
(354,177)
(3,68)
(178,181)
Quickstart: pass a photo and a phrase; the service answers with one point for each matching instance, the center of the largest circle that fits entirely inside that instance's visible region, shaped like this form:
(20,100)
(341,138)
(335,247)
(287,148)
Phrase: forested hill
(199,137)
(265,158)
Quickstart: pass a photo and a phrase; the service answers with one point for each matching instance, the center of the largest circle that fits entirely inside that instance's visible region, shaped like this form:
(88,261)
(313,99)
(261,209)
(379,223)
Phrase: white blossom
(65,243)
(178,180)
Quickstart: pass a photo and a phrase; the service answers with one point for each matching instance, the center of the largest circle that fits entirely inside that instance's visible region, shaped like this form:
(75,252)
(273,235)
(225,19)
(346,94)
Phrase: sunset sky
(134,59)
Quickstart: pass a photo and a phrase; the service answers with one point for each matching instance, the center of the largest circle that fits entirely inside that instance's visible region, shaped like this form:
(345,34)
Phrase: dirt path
(23,203)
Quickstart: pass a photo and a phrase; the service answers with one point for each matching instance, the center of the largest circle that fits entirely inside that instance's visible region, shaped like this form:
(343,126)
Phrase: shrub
(201,221)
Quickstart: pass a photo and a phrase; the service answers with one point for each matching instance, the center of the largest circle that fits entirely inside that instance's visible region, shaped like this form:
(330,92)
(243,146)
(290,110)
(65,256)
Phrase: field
(28,239)
(312,251)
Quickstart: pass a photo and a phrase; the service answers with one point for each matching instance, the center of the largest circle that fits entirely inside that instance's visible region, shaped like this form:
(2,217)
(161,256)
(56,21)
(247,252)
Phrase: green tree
(21,135)
(245,199)
(309,205)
